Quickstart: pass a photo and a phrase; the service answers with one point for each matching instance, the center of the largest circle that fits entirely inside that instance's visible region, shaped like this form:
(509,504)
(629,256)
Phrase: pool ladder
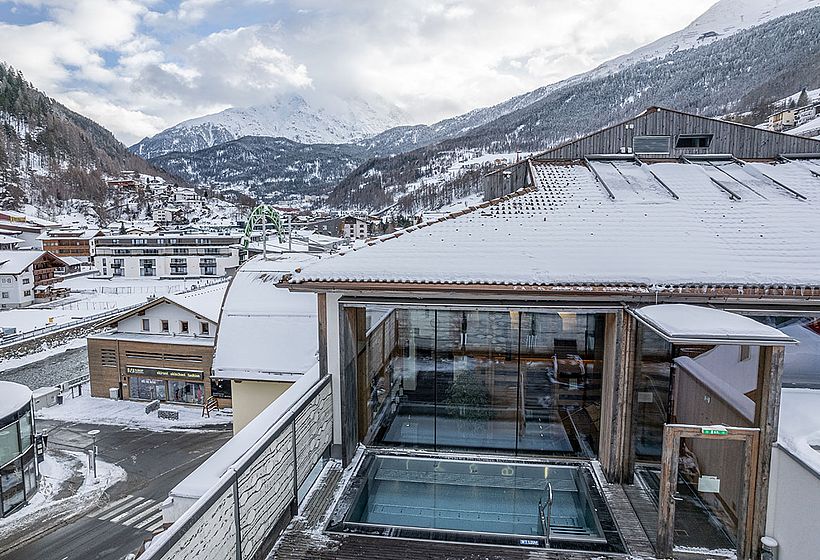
(546,520)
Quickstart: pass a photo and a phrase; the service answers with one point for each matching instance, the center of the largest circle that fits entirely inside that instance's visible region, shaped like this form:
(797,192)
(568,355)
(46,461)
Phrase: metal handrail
(546,520)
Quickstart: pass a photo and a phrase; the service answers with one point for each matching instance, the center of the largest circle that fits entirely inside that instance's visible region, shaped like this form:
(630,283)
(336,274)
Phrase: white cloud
(137,69)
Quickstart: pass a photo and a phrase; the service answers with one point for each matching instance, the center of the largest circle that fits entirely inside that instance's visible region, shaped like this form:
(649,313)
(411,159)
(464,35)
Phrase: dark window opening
(694,141)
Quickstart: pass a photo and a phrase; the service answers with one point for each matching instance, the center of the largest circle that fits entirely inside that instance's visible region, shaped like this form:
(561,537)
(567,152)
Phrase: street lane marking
(135,512)
(150,521)
(125,506)
(152,510)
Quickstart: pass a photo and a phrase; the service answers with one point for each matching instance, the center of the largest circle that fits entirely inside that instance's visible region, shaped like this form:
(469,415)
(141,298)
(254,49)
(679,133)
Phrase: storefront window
(480,380)
(148,389)
(185,392)
(221,388)
(11,483)
(9,443)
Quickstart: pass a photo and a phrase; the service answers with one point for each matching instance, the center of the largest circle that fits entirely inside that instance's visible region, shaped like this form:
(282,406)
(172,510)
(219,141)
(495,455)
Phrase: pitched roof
(614,223)
(15,262)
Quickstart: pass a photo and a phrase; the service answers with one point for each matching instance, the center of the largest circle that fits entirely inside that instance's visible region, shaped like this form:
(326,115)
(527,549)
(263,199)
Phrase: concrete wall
(249,398)
(794,495)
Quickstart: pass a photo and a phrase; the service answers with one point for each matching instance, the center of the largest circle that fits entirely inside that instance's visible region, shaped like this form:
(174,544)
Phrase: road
(155,463)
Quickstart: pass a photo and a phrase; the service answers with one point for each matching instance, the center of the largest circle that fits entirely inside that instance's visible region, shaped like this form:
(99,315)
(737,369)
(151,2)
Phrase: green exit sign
(714,431)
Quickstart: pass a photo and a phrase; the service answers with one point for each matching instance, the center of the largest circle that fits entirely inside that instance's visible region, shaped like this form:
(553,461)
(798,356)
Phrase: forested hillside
(49,153)
(740,73)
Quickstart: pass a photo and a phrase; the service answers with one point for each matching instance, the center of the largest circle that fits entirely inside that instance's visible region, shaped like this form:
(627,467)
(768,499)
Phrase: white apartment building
(354,228)
(166,255)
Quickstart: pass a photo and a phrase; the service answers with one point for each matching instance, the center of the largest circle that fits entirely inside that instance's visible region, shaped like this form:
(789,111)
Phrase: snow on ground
(95,410)
(57,498)
(92,296)
(47,352)
(811,128)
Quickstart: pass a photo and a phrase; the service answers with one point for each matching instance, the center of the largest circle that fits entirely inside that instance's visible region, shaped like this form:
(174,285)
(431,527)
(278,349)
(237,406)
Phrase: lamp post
(92,454)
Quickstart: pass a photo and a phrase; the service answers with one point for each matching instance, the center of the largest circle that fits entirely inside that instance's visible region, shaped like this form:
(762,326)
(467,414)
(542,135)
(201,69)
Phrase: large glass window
(9,443)
(653,366)
(482,380)
(185,392)
(147,389)
(11,482)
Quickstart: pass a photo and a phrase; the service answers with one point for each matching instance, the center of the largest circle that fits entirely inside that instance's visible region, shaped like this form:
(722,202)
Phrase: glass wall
(653,366)
(18,470)
(509,381)
(147,389)
(185,392)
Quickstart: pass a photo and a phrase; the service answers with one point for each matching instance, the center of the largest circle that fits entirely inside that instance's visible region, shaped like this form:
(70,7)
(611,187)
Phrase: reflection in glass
(9,443)
(26,437)
(653,365)
(476,379)
(801,367)
(29,474)
(484,380)
(11,482)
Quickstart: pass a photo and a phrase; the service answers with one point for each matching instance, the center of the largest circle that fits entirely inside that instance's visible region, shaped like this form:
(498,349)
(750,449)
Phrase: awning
(692,324)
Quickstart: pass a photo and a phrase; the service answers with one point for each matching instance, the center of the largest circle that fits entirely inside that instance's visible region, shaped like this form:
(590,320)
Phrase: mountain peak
(305,117)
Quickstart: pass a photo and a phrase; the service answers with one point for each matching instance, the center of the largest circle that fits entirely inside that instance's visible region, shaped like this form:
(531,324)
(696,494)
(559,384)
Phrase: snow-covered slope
(307,118)
(725,18)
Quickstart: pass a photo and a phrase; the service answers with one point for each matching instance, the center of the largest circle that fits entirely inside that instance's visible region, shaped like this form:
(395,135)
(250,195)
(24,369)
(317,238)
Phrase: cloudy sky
(139,66)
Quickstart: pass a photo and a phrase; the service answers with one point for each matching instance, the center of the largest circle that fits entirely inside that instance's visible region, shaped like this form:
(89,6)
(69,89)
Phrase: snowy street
(117,524)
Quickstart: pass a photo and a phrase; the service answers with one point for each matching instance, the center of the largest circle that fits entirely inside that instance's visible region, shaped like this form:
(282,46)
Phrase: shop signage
(165,373)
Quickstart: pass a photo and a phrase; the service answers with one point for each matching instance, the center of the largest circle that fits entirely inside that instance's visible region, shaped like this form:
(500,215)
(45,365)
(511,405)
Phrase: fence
(241,515)
(15,338)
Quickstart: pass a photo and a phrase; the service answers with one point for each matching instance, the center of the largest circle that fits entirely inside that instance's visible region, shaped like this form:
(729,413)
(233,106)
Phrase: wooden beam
(767,416)
(607,448)
(321,299)
(669,483)
(626,395)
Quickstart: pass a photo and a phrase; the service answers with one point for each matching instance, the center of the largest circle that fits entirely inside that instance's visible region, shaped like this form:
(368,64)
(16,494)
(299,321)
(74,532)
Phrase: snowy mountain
(52,157)
(307,118)
(739,55)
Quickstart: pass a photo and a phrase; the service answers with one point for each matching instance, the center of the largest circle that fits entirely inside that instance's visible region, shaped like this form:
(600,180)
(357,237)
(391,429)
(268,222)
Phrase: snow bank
(44,511)
(94,410)
(799,431)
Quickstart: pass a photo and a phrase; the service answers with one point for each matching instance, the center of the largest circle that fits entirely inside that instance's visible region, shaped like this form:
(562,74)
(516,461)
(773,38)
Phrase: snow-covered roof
(266,332)
(181,340)
(79,233)
(15,262)
(206,302)
(799,431)
(15,397)
(722,223)
(688,324)
(8,239)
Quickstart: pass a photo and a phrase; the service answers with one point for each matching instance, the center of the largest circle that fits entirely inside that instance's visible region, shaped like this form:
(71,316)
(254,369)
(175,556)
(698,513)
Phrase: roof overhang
(692,324)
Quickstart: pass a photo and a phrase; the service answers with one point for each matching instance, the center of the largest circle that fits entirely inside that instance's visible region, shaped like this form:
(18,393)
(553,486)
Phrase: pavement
(155,463)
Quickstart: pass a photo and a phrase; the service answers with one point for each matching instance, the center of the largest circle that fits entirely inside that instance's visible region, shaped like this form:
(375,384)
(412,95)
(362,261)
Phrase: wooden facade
(114,362)
(741,141)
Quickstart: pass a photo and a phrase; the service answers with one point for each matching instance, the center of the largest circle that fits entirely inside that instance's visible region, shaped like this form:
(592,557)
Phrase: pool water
(478,497)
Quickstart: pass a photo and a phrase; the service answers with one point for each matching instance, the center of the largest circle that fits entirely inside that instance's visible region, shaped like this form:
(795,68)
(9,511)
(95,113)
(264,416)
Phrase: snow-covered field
(91,296)
(56,498)
(132,414)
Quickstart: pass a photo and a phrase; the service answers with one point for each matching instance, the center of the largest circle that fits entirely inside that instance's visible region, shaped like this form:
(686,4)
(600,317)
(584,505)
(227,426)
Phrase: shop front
(167,385)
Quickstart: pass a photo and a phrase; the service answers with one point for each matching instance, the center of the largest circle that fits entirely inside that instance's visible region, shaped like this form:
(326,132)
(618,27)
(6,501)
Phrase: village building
(166,255)
(355,227)
(162,350)
(26,275)
(589,364)
(70,242)
(782,120)
(26,228)
(8,242)
(803,115)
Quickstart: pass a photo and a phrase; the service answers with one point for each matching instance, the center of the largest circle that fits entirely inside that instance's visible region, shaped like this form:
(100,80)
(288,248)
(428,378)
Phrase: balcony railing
(238,518)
